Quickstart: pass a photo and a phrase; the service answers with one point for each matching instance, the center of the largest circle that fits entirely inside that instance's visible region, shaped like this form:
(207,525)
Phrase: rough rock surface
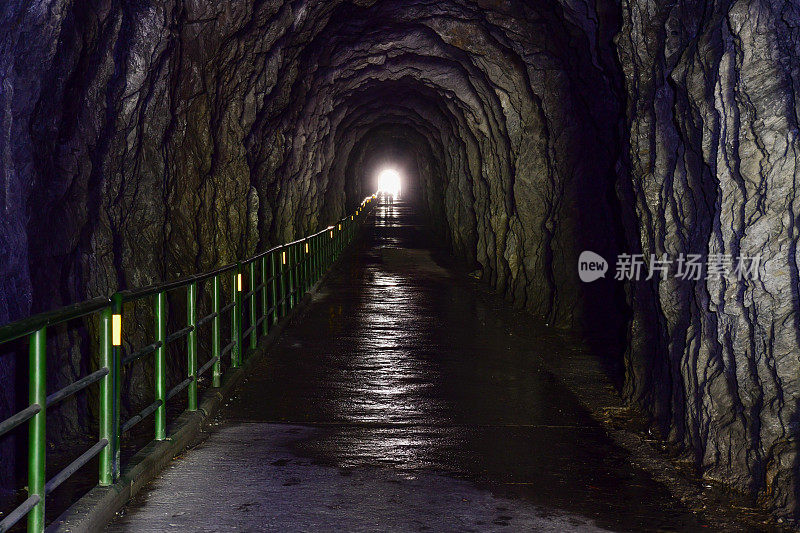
(712,114)
(144,140)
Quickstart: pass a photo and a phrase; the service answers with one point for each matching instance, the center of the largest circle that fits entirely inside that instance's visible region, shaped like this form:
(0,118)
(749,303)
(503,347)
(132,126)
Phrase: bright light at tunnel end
(389,182)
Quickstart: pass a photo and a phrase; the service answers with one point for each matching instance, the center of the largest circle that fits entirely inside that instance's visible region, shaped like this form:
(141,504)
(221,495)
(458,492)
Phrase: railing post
(283,283)
(323,253)
(313,244)
(216,326)
(298,254)
(274,269)
(106,400)
(264,299)
(298,266)
(301,270)
(301,264)
(251,274)
(319,253)
(306,265)
(37,394)
(290,267)
(236,317)
(160,366)
(298,273)
(116,384)
(329,249)
(191,344)
(301,280)
(298,283)
(306,251)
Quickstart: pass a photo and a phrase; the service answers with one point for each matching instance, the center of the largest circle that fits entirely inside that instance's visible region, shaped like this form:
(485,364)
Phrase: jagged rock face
(712,113)
(149,140)
(142,141)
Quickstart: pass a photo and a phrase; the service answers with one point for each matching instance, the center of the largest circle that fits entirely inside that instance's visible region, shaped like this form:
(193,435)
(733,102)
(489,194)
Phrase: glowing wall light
(116,330)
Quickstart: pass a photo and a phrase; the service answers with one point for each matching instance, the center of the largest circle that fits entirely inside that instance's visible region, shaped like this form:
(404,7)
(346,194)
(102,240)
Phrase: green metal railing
(275,281)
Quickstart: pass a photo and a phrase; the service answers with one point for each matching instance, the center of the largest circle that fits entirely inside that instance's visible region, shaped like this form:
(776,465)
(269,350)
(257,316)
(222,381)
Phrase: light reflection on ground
(401,376)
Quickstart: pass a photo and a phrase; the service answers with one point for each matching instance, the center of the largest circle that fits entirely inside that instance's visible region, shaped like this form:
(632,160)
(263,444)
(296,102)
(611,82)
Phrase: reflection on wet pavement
(399,372)
(412,373)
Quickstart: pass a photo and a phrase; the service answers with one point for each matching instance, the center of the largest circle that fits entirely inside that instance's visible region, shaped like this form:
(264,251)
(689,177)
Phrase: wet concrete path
(402,403)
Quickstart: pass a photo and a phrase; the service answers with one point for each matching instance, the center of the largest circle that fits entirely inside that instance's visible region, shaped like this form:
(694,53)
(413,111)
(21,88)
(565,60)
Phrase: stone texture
(712,115)
(141,141)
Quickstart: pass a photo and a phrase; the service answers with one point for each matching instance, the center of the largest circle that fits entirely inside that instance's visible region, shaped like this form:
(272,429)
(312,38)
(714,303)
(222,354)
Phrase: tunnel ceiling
(144,140)
(230,126)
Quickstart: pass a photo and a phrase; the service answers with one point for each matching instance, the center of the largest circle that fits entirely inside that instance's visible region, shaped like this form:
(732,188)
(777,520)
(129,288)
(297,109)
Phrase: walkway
(402,403)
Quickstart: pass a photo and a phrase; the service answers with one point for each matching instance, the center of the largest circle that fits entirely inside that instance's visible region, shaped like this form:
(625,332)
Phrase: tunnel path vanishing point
(400,402)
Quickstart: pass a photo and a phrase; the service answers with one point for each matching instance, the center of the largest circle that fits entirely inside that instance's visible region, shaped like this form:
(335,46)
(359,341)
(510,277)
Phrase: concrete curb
(99,506)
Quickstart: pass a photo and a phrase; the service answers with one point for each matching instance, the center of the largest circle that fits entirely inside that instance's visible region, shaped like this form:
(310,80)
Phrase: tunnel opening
(382,148)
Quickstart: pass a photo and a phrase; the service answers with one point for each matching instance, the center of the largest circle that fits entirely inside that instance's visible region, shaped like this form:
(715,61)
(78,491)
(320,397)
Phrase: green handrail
(287,272)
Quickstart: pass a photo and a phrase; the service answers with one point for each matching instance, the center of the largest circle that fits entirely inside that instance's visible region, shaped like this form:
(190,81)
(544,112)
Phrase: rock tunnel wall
(712,118)
(144,140)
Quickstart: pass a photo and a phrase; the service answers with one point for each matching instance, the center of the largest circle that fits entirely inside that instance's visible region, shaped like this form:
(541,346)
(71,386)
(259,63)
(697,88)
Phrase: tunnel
(571,160)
